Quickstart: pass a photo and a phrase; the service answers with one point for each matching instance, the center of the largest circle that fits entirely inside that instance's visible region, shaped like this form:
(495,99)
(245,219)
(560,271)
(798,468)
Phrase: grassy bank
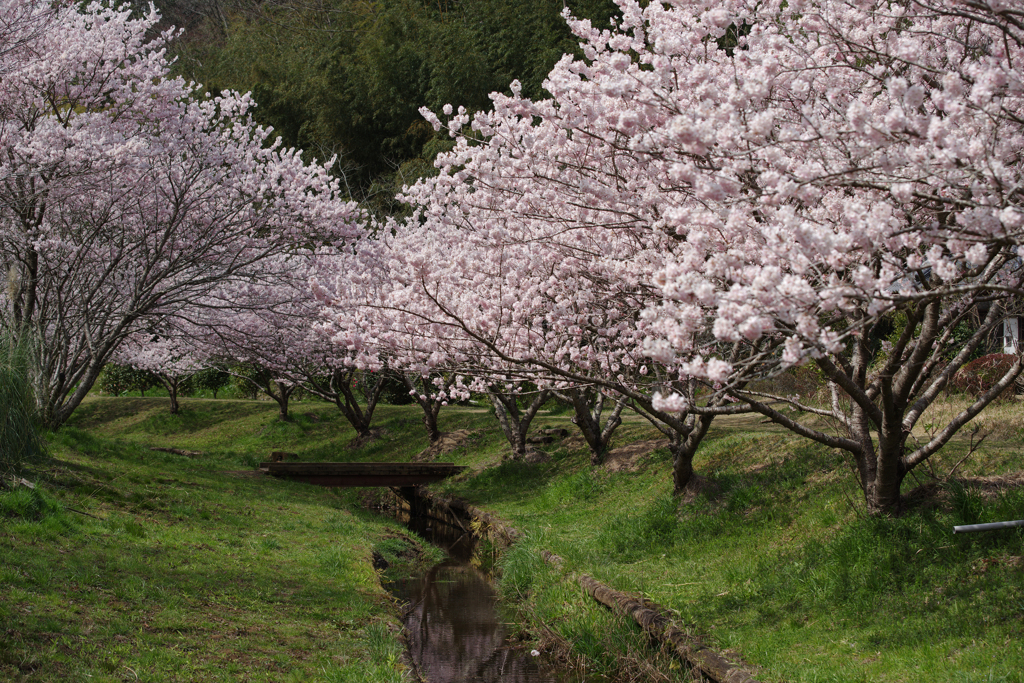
(776,562)
(129,564)
(201,567)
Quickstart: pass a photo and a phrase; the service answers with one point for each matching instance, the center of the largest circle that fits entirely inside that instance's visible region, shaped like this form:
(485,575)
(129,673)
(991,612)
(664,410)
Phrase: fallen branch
(178,451)
(82,513)
(651,618)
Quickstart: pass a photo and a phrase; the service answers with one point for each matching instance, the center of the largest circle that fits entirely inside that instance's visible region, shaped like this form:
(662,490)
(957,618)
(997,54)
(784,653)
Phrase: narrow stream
(454,626)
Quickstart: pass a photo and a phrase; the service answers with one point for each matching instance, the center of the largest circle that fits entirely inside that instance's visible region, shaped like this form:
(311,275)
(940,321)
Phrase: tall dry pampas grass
(20,442)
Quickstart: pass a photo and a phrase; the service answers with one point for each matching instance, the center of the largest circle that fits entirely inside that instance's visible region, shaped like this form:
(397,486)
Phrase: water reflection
(455,633)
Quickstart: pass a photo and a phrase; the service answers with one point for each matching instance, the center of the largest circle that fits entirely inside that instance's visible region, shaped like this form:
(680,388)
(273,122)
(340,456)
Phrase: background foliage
(347,77)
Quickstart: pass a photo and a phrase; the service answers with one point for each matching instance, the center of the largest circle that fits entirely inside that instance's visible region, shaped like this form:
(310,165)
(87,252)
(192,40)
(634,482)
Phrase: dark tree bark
(427,398)
(588,405)
(875,405)
(515,421)
(279,390)
(338,387)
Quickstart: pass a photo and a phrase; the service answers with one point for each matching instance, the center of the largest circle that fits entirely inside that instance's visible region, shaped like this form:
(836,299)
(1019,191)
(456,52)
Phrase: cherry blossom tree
(515,413)
(272,326)
(472,285)
(589,404)
(532,253)
(126,195)
(257,330)
(722,190)
(430,392)
(824,169)
(377,340)
(375,312)
(171,360)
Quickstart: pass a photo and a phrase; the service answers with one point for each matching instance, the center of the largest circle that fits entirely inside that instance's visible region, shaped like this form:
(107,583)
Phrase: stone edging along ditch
(648,615)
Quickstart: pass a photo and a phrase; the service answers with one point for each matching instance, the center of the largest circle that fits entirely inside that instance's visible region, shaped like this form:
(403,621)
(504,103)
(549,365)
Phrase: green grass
(192,572)
(776,561)
(125,562)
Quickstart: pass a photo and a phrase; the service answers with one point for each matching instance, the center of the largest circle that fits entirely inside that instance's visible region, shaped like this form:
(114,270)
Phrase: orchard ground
(129,563)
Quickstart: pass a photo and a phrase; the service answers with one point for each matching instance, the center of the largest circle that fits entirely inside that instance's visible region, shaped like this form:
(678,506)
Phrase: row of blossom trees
(720,191)
(715,193)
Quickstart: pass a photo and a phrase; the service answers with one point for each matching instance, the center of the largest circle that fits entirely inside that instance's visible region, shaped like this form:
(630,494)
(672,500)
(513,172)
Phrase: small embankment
(775,559)
(648,616)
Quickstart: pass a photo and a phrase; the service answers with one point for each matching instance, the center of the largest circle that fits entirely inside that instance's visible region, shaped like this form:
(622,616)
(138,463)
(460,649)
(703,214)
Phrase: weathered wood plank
(362,473)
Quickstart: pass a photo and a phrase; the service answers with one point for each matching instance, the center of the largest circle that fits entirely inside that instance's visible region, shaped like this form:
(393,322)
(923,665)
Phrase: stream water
(455,628)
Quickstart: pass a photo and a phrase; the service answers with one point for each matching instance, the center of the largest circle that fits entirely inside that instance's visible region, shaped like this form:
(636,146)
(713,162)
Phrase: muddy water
(455,630)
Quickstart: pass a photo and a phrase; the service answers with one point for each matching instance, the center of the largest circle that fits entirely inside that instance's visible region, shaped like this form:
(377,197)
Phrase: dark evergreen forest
(347,77)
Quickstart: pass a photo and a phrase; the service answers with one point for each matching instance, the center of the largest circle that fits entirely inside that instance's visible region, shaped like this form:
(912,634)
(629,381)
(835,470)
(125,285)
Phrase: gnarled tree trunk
(515,421)
(428,400)
(338,388)
(588,405)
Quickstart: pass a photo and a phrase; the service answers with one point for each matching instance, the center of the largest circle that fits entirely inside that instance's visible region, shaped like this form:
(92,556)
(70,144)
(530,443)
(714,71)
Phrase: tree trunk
(429,403)
(345,399)
(685,431)
(886,471)
(172,392)
(515,422)
(170,383)
(430,421)
(54,413)
(282,396)
(882,496)
(588,405)
(682,469)
(683,452)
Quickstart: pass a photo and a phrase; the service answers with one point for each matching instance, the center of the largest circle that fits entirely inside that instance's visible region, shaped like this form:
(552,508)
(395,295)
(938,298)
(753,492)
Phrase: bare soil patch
(361,441)
(700,485)
(934,492)
(448,442)
(536,456)
(627,458)
(991,486)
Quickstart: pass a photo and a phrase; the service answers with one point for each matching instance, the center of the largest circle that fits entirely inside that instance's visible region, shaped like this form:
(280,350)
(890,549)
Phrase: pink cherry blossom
(127,195)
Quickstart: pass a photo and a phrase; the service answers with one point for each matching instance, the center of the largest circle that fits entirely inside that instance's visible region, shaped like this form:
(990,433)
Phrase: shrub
(210,379)
(806,382)
(394,391)
(983,373)
(118,380)
(246,379)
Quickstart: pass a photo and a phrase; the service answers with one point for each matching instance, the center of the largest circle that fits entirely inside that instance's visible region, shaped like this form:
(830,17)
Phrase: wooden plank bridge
(396,474)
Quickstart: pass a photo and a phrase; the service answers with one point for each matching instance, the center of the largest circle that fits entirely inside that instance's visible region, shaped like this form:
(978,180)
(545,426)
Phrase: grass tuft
(20,441)
(30,504)
(630,535)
